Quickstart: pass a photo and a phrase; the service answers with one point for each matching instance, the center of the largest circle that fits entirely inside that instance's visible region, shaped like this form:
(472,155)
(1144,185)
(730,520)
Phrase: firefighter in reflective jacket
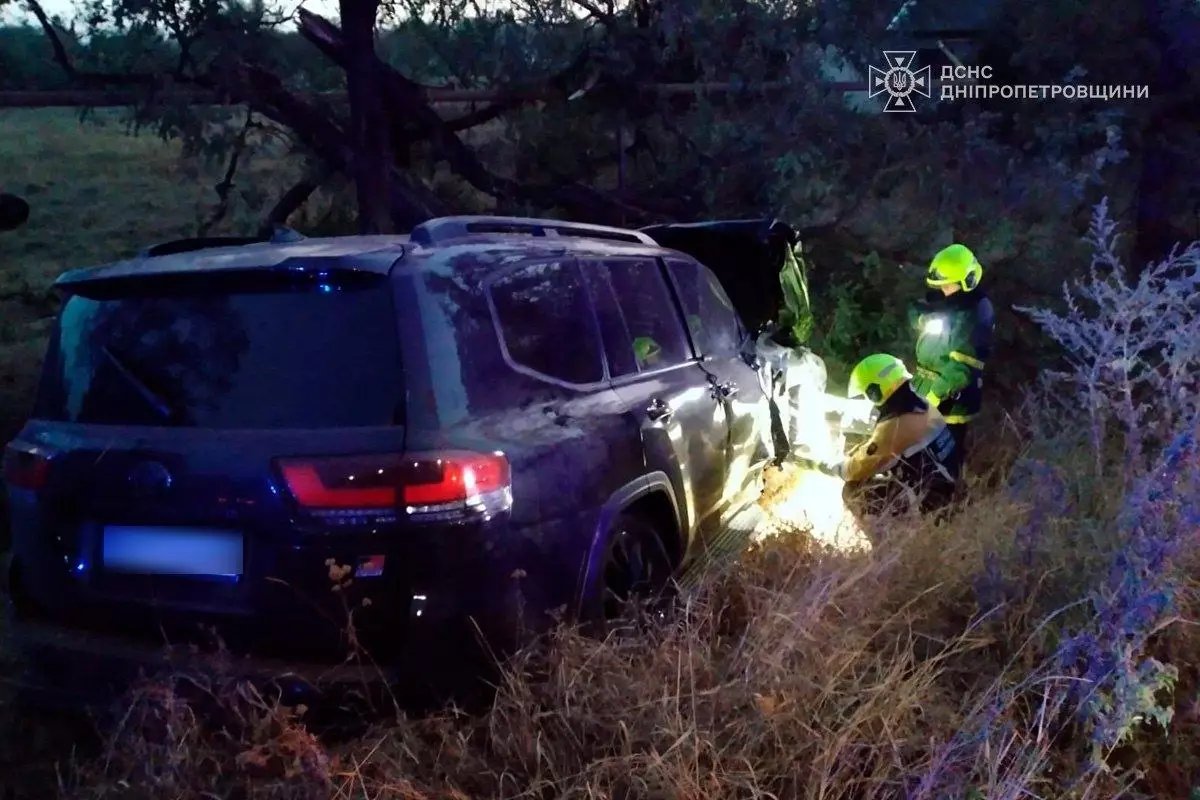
(911,454)
(954,338)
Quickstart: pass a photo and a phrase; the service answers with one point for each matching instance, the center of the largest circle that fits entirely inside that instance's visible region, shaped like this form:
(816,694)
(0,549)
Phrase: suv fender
(655,483)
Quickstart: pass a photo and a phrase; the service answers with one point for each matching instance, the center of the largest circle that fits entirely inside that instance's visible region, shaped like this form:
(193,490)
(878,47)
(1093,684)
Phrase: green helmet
(954,264)
(645,349)
(877,377)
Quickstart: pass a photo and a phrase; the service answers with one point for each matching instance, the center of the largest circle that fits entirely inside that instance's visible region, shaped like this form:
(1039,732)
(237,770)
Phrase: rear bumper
(289,599)
(424,631)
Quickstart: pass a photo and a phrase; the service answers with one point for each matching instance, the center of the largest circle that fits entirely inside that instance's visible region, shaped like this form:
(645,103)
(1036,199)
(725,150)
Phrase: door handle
(658,411)
(725,391)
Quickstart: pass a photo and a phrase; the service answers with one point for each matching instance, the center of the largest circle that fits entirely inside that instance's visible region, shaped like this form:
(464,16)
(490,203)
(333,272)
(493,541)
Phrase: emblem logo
(899,80)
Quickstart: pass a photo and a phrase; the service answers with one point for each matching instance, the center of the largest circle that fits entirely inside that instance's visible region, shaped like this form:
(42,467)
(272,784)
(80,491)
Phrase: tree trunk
(369,126)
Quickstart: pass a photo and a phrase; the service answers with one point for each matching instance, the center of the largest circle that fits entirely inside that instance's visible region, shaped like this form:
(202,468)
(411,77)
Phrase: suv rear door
(669,398)
(719,339)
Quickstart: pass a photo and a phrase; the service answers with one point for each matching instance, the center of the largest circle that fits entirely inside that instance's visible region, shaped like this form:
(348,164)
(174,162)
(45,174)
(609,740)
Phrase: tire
(637,568)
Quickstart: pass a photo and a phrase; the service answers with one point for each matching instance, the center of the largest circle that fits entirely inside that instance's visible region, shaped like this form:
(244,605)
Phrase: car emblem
(149,478)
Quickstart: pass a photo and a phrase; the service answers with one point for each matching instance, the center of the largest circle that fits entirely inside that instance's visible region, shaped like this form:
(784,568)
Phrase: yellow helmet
(877,377)
(954,264)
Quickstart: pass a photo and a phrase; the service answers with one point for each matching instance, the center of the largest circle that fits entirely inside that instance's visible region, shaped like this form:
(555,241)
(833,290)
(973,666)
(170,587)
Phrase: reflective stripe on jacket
(910,439)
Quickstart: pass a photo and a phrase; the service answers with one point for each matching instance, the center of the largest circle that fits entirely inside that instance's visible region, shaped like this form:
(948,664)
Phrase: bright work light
(935,326)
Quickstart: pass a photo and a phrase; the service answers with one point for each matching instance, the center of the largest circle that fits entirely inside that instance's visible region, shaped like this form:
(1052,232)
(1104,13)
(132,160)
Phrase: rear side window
(546,323)
(617,346)
(265,359)
(654,333)
(711,318)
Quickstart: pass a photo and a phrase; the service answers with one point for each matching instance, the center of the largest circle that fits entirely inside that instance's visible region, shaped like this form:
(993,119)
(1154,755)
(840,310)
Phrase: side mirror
(13,212)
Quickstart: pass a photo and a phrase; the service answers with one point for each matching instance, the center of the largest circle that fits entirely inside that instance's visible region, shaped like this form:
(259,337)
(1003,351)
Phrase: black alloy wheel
(638,568)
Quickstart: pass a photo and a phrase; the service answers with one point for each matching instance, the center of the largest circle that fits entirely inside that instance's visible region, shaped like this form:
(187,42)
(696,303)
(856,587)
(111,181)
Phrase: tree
(224,47)
(578,127)
(370,127)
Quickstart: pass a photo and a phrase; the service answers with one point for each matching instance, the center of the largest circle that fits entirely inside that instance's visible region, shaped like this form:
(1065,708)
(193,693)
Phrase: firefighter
(910,455)
(954,328)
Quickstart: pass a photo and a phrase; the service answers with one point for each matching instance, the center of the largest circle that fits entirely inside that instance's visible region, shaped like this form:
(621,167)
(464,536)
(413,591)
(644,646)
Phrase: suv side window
(621,361)
(546,323)
(653,329)
(715,325)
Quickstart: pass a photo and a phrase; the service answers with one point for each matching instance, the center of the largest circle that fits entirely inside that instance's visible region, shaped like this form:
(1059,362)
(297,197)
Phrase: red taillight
(311,491)
(26,466)
(421,485)
(456,477)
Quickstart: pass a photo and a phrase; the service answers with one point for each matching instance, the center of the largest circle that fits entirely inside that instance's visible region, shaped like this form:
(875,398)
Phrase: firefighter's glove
(936,401)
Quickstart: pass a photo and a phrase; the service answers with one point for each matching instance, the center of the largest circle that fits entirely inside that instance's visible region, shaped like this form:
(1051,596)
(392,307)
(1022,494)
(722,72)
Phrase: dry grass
(803,672)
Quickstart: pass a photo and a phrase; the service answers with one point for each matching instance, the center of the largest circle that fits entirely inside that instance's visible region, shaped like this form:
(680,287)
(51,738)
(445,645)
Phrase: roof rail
(444,229)
(281,235)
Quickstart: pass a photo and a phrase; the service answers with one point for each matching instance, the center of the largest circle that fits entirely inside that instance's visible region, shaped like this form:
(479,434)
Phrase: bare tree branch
(291,200)
(416,19)
(606,17)
(406,100)
(515,96)
(68,66)
(411,202)
(224,188)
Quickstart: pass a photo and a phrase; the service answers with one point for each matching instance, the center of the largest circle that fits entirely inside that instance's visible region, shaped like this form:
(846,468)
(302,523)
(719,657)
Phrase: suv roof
(375,253)
(358,253)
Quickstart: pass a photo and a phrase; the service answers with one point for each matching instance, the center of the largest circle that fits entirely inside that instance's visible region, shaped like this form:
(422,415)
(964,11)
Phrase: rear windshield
(323,356)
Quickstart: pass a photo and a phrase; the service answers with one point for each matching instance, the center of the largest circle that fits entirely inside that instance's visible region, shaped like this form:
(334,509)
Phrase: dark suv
(478,424)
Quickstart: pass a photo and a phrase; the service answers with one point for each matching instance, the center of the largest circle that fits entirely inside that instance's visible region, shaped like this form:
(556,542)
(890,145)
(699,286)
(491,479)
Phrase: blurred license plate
(172,551)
